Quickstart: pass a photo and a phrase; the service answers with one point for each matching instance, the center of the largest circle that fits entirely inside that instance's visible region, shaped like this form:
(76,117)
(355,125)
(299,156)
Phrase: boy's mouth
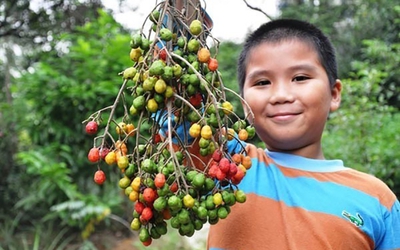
(283,116)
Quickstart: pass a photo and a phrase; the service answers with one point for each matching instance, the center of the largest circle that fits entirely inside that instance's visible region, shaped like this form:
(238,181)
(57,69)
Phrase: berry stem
(113,108)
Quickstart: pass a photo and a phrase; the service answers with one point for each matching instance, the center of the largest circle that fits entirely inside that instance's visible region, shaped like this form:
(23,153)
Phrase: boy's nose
(281,92)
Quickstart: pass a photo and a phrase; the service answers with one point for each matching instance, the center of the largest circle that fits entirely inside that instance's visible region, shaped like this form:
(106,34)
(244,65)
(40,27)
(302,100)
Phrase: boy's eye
(300,78)
(261,83)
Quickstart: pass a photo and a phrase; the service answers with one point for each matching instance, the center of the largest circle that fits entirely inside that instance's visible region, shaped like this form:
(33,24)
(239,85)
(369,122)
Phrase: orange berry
(130,129)
(118,154)
(236,158)
(203,55)
(159,180)
(212,64)
(246,161)
(243,135)
(121,146)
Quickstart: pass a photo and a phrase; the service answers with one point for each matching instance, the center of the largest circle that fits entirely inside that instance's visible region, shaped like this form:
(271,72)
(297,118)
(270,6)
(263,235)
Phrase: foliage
(28,21)
(8,140)
(48,236)
(56,95)
(364,132)
(385,59)
(348,22)
(81,78)
(228,54)
(50,180)
(47,177)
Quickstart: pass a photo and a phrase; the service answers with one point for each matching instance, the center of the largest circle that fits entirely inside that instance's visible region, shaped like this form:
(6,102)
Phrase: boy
(296,199)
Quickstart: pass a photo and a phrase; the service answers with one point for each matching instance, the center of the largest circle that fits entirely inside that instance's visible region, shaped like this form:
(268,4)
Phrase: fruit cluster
(174,161)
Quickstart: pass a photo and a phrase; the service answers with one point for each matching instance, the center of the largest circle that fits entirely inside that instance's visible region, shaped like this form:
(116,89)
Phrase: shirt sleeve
(391,237)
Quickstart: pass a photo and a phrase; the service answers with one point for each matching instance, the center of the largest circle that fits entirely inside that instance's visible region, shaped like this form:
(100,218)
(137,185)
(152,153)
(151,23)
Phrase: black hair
(286,29)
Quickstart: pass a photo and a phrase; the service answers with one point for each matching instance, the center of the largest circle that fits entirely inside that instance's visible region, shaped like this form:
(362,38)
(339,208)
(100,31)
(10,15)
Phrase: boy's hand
(180,132)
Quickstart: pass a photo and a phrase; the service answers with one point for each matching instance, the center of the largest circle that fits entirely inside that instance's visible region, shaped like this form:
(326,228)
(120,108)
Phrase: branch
(120,220)
(258,9)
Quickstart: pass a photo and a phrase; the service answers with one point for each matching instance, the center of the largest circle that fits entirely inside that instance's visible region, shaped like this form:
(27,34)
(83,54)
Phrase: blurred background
(59,63)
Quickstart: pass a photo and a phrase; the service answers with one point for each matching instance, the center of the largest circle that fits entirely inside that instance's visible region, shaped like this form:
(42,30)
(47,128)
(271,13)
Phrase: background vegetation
(70,53)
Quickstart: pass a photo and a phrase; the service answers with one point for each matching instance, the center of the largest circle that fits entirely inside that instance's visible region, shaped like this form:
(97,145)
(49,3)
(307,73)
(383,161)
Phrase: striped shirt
(300,203)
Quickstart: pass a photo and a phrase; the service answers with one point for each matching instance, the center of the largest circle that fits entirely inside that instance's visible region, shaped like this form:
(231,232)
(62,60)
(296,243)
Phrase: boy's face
(288,91)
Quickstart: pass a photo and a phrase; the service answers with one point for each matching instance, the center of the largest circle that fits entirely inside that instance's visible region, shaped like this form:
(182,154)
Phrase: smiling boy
(297,199)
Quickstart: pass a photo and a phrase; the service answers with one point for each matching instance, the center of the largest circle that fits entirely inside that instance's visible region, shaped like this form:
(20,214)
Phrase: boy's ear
(336,95)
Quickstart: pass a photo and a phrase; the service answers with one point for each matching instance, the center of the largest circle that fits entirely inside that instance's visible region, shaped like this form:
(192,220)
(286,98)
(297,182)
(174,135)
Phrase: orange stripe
(277,226)
(354,179)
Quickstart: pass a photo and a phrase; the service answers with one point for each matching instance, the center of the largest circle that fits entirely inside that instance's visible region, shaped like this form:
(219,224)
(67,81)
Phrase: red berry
(147,214)
(139,206)
(220,175)
(212,64)
(94,155)
(232,169)
(163,54)
(149,195)
(224,165)
(212,171)
(217,155)
(196,100)
(237,178)
(173,187)
(159,180)
(91,128)
(104,152)
(147,242)
(157,138)
(99,177)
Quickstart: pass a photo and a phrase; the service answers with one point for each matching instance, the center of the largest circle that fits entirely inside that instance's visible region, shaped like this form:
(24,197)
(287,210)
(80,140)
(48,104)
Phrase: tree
(56,96)
(24,21)
(28,29)
(348,22)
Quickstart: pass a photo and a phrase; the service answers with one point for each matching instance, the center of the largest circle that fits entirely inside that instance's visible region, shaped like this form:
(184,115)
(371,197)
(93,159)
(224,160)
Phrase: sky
(232,18)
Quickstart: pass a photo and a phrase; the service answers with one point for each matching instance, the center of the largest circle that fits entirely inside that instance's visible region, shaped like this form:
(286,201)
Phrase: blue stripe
(270,182)
(306,164)
(313,195)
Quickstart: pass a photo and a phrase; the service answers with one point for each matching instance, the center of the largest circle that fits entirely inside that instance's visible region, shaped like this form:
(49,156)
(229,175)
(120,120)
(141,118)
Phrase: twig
(258,9)
(120,220)
(114,107)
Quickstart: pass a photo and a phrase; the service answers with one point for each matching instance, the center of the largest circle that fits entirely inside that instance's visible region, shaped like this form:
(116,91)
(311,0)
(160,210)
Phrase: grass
(37,236)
